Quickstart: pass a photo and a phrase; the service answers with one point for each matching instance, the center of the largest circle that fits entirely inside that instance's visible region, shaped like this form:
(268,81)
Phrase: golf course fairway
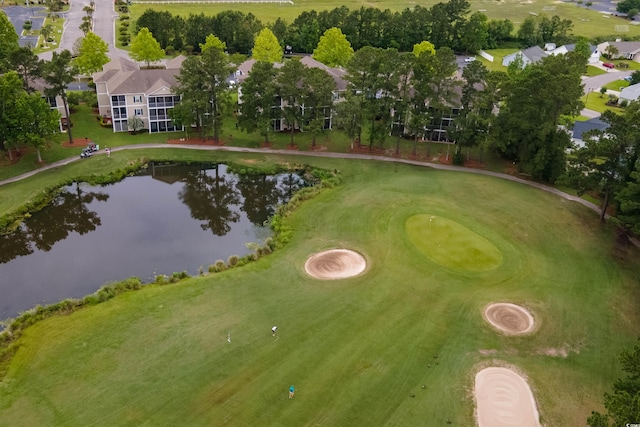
(400,343)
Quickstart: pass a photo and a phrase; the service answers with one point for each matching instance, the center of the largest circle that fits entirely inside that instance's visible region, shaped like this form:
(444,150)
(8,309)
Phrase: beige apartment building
(125,91)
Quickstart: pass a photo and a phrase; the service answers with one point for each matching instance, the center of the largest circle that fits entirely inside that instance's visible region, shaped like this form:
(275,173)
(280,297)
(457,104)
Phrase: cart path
(543,187)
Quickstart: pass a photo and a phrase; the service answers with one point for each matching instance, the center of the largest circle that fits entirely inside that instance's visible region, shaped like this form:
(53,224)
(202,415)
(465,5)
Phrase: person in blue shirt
(291,391)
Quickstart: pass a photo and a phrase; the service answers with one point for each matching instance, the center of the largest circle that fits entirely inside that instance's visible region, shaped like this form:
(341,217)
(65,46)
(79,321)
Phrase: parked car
(627,78)
(608,65)
(470,59)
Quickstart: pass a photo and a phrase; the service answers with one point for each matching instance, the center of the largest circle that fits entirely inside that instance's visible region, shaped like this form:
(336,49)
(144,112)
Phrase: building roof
(121,64)
(580,128)
(336,73)
(125,77)
(631,93)
(175,63)
(626,47)
(534,53)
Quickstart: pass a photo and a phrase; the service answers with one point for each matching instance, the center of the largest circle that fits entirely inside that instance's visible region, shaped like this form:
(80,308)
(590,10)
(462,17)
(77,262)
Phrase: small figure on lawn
(273,331)
(291,392)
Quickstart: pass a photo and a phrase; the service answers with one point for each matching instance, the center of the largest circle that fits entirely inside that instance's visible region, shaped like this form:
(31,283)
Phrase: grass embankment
(585,21)
(397,345)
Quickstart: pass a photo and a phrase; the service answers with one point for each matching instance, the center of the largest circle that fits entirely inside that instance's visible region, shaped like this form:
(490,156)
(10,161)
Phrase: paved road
(543,187)
(104,18)
(593,84)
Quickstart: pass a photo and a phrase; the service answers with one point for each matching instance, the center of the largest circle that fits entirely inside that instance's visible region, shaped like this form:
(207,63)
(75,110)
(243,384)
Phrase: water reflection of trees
(67,212)
(263,193)
(211,199)
(215,198)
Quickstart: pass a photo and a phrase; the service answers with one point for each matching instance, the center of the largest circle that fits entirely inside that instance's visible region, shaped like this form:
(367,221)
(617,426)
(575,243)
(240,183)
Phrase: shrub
(169,50)
(458,158)
(233,260)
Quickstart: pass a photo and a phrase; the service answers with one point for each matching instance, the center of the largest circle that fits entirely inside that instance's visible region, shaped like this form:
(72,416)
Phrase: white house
(594,57)
(529,56)
(630,93)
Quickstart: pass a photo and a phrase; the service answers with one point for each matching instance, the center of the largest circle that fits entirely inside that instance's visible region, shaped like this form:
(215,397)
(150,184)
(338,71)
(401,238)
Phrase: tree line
(449,24)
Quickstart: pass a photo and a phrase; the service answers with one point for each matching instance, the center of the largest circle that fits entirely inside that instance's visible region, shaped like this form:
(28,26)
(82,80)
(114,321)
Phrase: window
(137,99)
(138,111)
(117,100)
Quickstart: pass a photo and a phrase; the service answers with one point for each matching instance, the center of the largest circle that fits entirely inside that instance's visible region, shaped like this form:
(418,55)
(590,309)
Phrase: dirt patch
(509,318)
(503,398)
(335,264)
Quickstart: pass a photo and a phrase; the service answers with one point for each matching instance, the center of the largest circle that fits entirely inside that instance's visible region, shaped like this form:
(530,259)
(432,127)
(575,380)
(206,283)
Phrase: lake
(167,218)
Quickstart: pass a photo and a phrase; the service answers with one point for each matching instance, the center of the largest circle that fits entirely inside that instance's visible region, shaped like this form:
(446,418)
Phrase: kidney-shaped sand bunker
(335,264)
(509,318)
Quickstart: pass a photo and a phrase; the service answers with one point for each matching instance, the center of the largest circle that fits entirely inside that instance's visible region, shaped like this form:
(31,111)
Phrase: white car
(470,59)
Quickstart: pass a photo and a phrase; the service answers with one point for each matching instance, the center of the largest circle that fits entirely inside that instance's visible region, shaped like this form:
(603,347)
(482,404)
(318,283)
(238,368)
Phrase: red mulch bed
(77,142)
(196,141)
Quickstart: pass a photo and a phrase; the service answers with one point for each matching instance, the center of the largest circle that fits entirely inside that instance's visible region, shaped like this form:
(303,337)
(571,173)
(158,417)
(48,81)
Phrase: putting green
(451,244)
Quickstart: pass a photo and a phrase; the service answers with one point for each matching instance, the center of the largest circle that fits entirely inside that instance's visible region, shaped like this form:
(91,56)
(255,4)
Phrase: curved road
(552,190)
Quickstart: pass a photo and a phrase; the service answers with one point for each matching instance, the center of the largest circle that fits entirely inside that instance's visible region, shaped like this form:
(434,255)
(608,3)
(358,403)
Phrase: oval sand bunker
(335,264)
(503,398)
(509,318)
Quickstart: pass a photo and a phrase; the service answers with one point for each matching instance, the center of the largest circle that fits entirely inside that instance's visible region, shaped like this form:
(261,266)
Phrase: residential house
(630,93)
(581,128)
(626,50)
(529,56)
(594,56)
(125,91)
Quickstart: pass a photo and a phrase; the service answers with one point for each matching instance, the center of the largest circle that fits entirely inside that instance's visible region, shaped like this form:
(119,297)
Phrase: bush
(458,158)
(233,260)
(169,50)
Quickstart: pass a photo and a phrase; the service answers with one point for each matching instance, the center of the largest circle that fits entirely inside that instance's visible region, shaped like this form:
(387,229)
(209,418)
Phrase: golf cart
(88,151)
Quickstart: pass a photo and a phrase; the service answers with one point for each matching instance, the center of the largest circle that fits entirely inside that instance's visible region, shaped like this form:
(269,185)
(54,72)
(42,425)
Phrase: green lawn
(597,102)
(398,345)
(594,71)
(617,85)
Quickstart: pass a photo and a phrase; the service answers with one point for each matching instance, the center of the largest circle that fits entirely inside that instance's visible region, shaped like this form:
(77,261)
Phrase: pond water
(171,217)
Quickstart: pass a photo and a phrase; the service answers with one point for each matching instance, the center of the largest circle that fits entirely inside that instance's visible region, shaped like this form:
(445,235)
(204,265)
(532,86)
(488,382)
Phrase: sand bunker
(335,264)
(509,318)
(503,398)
